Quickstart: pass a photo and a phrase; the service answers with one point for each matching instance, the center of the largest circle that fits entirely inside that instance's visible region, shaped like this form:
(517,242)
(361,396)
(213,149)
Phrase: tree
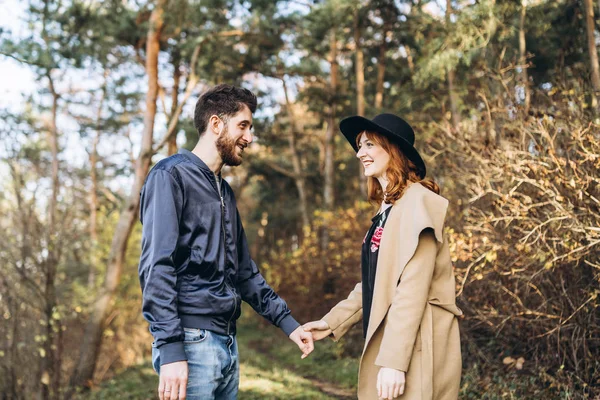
(593,52)
(360,80)
(46,61)
(523,57)
(450,76)
(93,333)
(298,174)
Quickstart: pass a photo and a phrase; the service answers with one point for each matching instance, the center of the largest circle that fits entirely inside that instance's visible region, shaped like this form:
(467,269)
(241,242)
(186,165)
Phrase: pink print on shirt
(376,239)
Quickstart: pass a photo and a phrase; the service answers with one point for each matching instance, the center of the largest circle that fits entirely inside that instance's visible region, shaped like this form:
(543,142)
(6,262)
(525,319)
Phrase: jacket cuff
(288,324)
(172,352)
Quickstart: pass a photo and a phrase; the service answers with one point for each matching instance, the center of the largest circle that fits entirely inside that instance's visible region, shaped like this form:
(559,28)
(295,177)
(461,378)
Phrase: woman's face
(373,157)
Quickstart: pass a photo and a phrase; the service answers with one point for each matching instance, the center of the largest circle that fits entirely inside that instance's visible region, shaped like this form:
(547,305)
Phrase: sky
(14,78)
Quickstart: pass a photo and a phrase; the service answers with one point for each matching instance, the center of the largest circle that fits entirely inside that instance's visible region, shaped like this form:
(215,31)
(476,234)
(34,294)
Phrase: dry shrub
(318,274)
(313,278)
(526,240)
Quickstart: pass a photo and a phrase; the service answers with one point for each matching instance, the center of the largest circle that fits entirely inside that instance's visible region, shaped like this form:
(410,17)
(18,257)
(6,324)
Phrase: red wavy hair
(400,172)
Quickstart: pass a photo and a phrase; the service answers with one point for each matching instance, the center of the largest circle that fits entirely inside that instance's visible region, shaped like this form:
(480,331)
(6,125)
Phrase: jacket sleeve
(161,206)
(346,313)
(256,292)
(405,313)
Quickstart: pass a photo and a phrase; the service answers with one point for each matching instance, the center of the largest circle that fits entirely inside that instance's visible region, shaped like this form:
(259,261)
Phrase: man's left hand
(304,340)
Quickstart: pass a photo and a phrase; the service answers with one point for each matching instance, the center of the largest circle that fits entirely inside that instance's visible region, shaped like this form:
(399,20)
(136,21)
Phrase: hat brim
(351,127)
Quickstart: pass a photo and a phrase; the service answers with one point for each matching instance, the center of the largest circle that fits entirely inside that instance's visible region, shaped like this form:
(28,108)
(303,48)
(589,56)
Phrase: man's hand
(304,340)
(390,383)
(319,329)
(173,381)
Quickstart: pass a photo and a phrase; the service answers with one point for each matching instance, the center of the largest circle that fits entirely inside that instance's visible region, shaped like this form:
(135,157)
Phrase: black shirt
(370,252)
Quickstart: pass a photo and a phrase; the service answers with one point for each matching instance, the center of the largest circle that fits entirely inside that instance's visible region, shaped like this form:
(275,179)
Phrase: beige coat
(413,325)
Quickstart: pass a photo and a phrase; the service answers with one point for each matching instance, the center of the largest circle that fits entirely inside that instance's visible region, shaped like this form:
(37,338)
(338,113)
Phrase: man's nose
(248,137)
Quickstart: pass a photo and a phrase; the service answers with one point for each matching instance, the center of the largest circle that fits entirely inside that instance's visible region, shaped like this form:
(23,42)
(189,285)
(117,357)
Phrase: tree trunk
(453,100)
(594,66)
(450,78)
(93,197)
(360,90)
(93,204)
(328,192)
(381,70)
(172,146)
(12,350)
(50,370)
(328,144)
(92,338)
(409,59)
(298,175)
(359,66)
(523,57)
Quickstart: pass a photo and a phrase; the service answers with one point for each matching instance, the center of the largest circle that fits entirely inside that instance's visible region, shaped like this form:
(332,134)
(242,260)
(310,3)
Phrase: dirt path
(330,389)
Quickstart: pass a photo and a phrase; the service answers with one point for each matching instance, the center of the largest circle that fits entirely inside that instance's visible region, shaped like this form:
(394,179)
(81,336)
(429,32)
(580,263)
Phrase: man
(195,267)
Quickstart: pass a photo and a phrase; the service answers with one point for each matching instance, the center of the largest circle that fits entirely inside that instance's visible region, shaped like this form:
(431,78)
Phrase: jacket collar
(196,160)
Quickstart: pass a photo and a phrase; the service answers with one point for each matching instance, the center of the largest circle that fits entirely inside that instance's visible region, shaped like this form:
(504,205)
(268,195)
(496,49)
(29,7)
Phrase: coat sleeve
(405,313)
(346,313)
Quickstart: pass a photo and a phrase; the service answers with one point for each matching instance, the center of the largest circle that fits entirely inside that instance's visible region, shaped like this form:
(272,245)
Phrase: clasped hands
(390,382)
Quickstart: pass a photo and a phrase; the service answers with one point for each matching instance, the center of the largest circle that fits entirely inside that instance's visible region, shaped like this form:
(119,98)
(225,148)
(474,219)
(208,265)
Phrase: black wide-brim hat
(389,125)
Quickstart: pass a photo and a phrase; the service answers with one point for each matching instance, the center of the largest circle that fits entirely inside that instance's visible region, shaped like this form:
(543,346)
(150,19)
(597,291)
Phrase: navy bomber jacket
(195,268)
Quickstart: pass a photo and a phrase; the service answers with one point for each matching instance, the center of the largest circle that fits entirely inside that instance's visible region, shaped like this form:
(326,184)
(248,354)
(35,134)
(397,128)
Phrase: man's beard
(226,147)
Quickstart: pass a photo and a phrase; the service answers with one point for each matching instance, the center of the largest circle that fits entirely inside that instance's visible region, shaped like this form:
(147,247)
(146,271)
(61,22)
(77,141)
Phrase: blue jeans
(213,365)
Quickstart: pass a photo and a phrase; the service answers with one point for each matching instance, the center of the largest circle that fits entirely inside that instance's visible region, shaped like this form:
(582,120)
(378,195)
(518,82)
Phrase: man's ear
(215,125)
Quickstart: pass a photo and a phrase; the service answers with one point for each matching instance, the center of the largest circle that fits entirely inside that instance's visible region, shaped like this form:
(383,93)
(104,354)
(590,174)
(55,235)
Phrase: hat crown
(396,125)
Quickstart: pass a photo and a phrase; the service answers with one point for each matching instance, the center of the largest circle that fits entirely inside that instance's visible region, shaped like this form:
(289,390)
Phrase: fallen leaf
(45,378)
(508,360)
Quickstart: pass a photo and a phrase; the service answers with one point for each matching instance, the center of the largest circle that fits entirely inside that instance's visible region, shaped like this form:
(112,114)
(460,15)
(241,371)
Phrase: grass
(270,369)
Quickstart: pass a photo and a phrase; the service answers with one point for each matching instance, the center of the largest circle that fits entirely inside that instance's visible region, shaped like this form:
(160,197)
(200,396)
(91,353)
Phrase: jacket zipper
(225,255)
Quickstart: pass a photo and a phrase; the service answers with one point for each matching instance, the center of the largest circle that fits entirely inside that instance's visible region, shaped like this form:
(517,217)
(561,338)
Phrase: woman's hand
(319,329)
(390,383)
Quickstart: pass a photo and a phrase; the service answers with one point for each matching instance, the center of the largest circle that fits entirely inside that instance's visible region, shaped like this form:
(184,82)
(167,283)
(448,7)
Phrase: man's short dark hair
(222,100)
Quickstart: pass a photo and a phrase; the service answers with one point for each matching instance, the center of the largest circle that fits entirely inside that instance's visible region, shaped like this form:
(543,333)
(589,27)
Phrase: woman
(407,295)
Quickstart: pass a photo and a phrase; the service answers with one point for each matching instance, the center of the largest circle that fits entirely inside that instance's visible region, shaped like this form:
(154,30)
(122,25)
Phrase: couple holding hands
(195,268)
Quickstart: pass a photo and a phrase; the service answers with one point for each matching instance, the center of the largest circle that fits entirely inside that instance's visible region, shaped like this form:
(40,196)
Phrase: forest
(504,99)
